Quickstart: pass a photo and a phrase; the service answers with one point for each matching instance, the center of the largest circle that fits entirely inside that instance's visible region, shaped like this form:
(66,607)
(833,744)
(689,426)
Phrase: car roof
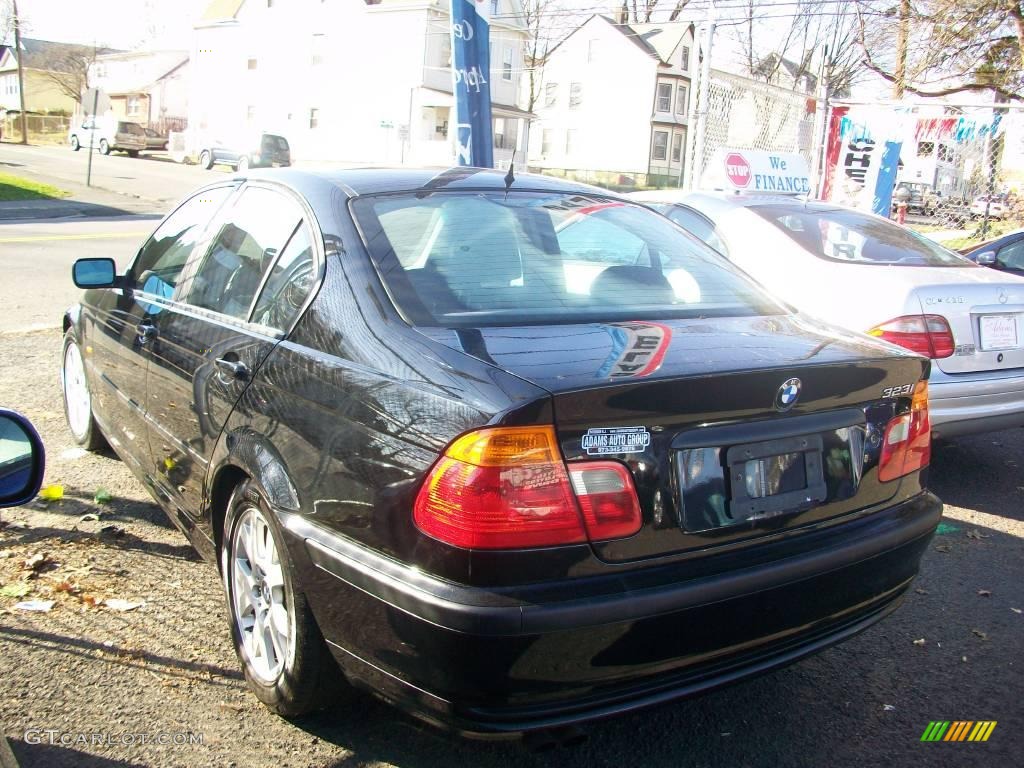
(356,182)
(713,203)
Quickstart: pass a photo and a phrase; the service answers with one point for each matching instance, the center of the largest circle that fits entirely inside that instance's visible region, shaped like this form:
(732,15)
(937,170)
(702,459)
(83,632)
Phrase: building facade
(359,81)
(614,102)
(145,87)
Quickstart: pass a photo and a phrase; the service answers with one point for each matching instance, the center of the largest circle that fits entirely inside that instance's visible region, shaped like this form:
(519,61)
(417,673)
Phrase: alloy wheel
(76,392)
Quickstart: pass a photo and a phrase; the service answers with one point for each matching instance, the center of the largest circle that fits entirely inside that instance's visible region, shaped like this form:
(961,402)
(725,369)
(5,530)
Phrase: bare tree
(952,45)
(539,18)
(69,69)
(643,11)
(818,38)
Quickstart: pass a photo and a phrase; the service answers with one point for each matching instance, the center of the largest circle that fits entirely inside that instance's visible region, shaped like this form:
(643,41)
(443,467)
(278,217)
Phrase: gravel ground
(955,650)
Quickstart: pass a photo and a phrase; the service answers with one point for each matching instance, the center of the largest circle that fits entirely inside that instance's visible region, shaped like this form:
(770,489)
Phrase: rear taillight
(928,335)
(907,445)
(508,488)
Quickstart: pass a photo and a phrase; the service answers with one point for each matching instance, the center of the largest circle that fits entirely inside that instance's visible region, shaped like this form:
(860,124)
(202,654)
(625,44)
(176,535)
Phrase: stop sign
(737,169)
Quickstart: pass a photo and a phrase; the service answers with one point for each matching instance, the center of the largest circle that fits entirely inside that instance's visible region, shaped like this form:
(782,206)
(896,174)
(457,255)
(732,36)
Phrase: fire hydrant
(902,196)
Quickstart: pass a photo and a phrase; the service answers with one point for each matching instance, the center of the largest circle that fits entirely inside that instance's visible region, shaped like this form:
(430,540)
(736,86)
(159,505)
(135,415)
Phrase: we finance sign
(755,171)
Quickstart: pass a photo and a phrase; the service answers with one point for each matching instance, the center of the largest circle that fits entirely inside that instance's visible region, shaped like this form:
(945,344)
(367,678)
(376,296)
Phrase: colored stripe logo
(958,730)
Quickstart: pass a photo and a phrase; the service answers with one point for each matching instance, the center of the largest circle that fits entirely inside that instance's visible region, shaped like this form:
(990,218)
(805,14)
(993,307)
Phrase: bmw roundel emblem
(788,394)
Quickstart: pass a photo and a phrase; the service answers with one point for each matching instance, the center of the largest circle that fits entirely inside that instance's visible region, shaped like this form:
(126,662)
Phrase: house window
(664,97)
(550,94)
(571,140)
(506,63)
(250,113)
(545,142)
(251,64)
(686,58)
(575,95)
(677,147)
(314,118)
(659,151)
(681,100)
(495,6)
(317,48)
(593,50)
(446,50)
(134,106)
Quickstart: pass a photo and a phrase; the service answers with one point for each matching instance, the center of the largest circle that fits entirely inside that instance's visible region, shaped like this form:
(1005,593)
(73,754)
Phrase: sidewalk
(82,202)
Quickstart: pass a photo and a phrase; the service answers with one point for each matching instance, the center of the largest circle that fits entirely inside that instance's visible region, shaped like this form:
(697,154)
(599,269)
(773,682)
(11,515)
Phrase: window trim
(309,218)
(508,55)
(681,103)
(658,97)
(654,145)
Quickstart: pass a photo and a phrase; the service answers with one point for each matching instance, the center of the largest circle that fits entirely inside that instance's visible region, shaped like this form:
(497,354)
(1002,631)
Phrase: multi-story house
(614,103)
(52,72)
(146,87)
(362,81)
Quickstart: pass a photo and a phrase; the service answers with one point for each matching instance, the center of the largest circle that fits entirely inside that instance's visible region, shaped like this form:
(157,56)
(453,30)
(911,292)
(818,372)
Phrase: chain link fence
(42,129)
(747,114)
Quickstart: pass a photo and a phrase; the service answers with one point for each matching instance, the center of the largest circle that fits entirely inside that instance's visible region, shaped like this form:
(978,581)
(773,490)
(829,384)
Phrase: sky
(115,23)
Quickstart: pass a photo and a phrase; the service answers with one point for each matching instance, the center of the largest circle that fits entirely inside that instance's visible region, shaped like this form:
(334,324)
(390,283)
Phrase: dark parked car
(515,456)
(267,151)
(1005,253)
(155,140)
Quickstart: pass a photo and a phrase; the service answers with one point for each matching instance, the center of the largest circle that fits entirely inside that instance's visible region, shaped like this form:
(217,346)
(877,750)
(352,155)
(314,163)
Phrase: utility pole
(901,50)
(21,75)
(703,94)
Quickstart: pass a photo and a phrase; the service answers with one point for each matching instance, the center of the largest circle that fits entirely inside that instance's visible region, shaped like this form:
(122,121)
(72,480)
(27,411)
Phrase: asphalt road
(148,177)
(953,651)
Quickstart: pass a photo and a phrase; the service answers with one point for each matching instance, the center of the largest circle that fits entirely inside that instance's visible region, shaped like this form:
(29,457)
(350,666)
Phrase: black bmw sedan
(513,453)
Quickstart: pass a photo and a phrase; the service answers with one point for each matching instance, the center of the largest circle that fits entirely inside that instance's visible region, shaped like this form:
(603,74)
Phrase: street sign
(738,170)
(95,101)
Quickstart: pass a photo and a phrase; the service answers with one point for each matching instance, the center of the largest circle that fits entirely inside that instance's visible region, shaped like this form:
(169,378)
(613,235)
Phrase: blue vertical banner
(886,182)
(471,72)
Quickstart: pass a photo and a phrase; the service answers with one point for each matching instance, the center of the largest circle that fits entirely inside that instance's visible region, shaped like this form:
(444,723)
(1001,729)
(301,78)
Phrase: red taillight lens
(508,488)
(907,445)
(607,498)
(927,335)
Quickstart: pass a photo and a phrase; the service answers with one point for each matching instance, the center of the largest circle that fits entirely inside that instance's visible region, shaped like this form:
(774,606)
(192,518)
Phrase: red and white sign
(737,169)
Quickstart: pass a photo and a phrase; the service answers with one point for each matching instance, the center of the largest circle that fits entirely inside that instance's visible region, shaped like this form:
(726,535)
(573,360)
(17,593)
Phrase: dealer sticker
(600,441)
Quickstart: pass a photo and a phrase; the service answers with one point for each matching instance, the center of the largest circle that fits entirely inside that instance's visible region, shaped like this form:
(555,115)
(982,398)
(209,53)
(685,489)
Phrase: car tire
(206,159)
(243,164)
(75,144)
(261,591)
(77,397)
(104,147)
(133,153)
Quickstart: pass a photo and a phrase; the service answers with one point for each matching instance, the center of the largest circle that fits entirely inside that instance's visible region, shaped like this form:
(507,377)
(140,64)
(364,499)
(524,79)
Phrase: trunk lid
(985,311)
(702,412)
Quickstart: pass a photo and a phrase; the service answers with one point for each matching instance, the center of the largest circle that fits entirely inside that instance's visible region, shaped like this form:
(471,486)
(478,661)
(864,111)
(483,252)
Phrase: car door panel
(206,351)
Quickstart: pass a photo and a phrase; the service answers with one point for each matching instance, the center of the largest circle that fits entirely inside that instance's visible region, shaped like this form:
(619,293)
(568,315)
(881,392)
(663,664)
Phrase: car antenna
(509,178)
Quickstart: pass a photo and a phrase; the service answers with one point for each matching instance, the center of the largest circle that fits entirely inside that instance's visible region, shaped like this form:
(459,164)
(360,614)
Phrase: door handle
(145,331)
(236,368)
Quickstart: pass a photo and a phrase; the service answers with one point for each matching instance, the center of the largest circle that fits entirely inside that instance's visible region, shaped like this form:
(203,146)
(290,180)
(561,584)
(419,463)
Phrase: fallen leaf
(42,606)
(52,493)
(15,590)
(91,517)
(1016,610)
(111,530)
(67,586)
(121,605)
(888,708)
(4,554)
(102,496)
(984,593)
(980,634)
(974,533)
(92,601)
(943,548)
(921,591)
(919,642)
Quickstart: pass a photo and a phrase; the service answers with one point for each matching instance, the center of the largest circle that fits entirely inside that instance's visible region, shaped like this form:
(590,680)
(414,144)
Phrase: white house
(356,81)
(614,103)
(146,87)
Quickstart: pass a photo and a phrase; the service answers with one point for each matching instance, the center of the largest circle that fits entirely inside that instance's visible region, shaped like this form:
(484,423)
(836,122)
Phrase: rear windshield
(483,258)
(133,128)
(842,235)
(275,142)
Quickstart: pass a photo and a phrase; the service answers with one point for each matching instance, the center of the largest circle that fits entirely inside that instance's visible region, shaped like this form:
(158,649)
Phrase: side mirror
(986,258)
(22,459)
(94,273)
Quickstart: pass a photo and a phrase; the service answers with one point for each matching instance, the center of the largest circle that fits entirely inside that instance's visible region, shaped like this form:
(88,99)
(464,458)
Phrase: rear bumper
(971,403)
(486,663)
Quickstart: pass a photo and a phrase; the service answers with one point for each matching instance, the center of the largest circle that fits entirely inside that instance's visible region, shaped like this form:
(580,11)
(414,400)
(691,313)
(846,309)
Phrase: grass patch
(17,188)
